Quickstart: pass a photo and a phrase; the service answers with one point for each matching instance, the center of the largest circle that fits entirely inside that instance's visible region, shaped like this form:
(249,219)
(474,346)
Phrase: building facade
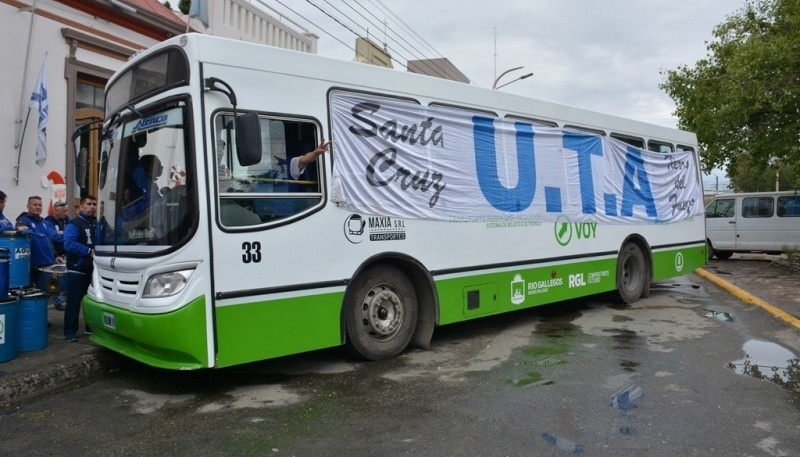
(81,43)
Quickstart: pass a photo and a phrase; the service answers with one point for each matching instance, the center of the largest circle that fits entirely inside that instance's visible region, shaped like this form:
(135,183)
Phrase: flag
(199,9)
(39,102)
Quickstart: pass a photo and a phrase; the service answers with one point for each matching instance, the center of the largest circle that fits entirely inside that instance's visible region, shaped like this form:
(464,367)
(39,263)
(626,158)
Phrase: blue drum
(9,328)
(4,264)
(32,324)
(53,279)
(19,250)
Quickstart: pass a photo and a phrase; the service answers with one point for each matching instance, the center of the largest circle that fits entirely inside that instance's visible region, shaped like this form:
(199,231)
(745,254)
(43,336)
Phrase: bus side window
(631,140)
(660,146)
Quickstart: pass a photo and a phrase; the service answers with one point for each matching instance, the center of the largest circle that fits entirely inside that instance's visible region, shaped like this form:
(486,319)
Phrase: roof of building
(156,7)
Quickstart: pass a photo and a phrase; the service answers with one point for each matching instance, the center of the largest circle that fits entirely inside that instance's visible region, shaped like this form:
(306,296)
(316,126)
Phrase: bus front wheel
(632,275)
(381,313)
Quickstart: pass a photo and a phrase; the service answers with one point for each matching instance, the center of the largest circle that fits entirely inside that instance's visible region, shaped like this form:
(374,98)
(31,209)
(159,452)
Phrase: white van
(747,222)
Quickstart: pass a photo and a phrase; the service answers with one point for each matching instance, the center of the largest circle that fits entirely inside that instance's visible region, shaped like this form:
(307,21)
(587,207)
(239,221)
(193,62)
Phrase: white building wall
(250,20)
(46,40)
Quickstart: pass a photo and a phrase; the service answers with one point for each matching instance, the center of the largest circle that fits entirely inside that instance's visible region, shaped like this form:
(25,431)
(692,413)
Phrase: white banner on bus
(400,159)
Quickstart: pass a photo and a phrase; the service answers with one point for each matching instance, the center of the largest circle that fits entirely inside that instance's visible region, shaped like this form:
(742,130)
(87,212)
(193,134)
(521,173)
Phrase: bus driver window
(279,186)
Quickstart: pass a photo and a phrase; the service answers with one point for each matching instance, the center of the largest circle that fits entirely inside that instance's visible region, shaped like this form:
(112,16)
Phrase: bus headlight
(166,284)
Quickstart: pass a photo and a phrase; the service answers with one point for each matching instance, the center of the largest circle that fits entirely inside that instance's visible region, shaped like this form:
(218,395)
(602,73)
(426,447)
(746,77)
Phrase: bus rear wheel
(632,274)
(381,313)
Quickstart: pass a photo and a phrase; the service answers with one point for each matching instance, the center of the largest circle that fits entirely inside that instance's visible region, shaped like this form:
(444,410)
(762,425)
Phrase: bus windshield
(146,202)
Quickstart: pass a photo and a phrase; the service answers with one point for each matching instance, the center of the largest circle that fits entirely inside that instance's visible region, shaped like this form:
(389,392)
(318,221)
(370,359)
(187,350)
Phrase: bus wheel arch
(634,270)
(388,286)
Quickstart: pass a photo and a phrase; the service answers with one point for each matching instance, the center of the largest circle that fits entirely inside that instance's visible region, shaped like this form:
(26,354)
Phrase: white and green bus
(438,203)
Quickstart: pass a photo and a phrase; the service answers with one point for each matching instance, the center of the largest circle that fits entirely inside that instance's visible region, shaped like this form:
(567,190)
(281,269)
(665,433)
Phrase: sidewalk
(58,363)
(750,275)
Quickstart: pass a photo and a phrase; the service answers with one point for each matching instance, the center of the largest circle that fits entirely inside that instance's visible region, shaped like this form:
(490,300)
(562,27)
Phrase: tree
(743,99)
(184,5)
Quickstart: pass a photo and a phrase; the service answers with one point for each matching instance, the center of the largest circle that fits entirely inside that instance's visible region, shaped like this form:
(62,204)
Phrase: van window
(789,206)
(758,206)
(724,207)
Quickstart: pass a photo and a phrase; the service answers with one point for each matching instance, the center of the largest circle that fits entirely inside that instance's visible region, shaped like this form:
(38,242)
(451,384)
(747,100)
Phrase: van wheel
(723,255)
(381,313)
(631,273)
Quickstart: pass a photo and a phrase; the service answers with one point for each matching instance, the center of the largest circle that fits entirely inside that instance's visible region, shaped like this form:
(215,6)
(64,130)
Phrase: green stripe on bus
(677,262)
(267,329)
(174,340)
(475,296)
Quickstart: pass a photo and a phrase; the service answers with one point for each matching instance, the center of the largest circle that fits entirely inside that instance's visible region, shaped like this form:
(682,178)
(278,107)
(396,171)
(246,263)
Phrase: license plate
(109,320)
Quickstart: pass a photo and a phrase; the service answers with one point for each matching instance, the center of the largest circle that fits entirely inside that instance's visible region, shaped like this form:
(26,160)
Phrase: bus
(438,202)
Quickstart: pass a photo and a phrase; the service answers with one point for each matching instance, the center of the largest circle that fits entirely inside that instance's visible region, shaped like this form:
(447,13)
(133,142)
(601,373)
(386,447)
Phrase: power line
(320,28)
(365,30)
(435,66)
(442,72)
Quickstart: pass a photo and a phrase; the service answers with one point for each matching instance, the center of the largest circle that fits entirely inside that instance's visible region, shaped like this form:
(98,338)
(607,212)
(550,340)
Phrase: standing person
(5,224)
(79,244)
(58,220)
(43,236)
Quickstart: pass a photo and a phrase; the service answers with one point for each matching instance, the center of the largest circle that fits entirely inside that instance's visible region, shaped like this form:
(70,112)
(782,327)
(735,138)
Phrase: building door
(89,103)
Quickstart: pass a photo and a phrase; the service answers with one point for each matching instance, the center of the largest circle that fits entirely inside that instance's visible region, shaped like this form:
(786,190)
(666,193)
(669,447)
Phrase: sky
(607,56)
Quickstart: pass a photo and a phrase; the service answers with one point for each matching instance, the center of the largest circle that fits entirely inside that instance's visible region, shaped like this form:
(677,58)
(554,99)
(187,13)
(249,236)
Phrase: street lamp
(495,86)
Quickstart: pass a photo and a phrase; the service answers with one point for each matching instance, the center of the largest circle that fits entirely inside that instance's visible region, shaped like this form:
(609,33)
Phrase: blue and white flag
(39,102)
(199,9)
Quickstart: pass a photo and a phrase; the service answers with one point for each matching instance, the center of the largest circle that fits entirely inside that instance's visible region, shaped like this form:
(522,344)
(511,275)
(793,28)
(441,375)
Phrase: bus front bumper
(176,340)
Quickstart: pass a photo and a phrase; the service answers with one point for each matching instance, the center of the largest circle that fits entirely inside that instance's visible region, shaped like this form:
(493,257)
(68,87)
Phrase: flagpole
(19,149)
(20,134)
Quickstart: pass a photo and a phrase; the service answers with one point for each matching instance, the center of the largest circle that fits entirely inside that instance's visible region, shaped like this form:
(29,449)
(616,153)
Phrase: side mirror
(248,139)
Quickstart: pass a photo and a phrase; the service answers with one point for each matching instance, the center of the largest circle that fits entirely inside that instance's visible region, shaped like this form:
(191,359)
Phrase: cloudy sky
(606,56)
(601,55)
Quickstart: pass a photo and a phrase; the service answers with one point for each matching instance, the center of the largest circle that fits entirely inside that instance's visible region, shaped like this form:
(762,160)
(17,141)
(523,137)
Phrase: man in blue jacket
(5,224)
(42,234)
(79,245)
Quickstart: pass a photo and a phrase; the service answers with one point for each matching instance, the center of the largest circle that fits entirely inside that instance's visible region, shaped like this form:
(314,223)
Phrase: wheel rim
(631,273)
(382,313)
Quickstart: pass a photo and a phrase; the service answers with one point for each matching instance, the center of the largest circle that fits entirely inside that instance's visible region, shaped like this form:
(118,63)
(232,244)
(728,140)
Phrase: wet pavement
(31,373)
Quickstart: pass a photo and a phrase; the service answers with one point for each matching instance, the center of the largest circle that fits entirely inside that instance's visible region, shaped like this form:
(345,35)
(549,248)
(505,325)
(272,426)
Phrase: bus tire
(381,313)
(632,273)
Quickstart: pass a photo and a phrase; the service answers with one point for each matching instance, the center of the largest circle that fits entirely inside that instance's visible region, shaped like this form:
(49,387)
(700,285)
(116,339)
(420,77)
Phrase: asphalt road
(660,378)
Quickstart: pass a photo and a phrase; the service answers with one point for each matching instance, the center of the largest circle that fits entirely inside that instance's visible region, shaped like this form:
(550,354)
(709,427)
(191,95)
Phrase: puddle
(663,286)
(555,328)
(624,338)
(562,443)
(765,360)
(770,361)
(627,397)
(719,315)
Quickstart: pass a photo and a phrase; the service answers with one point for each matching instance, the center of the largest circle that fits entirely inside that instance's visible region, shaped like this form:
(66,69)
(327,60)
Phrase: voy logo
(150,122)
(565,230)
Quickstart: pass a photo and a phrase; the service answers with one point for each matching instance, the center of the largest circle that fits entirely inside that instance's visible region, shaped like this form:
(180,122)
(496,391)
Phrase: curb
(747,297)
(22,385)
